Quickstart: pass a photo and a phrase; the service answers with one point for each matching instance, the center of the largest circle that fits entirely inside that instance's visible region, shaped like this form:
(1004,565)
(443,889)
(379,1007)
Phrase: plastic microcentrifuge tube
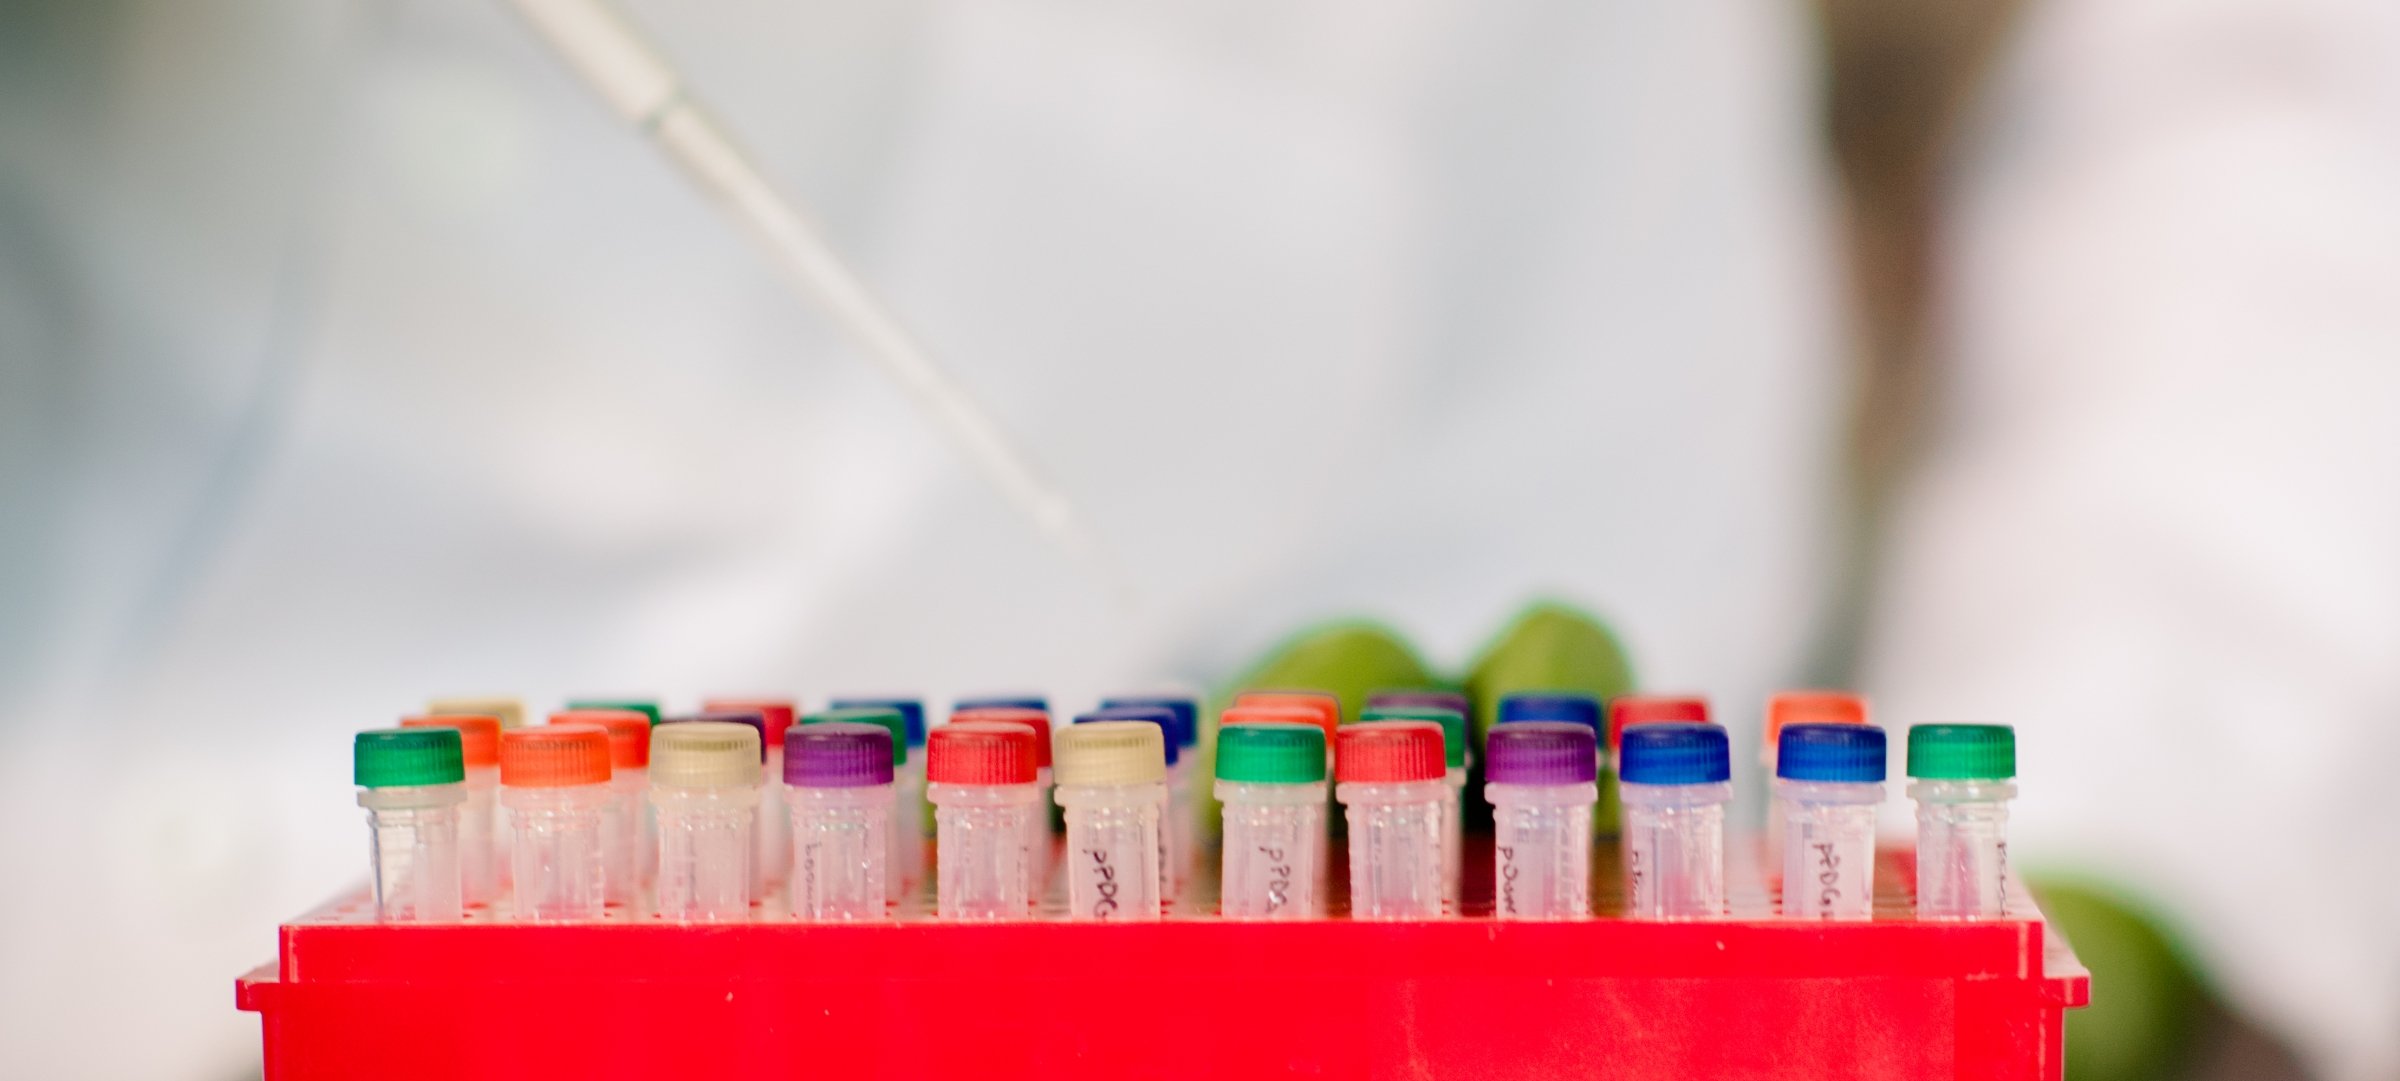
(554,784)
(773,834)
(757,722)
(704,783)
(647,707)
(479,744)
(1454,784)
(1389,779)
(983,792)
(1170,857)
(1542,780)
(1271,778)
(1627,710)
(1314,717)
(1828,785)
(412,781)
(904,866)
(914,821)
(1038,849)
(1962,777)
(1675,779)
(1112,785)
(1799,707)
(628,830)
(1183,764)
(510,711)
(838,786)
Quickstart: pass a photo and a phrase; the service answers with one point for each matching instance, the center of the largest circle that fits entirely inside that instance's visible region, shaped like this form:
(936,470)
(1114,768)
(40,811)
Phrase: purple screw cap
(1540,752)
(837,754)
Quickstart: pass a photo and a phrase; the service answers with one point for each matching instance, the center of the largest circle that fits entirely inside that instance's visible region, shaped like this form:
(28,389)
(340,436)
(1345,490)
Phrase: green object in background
(1346,658)
(1548,647)
(1552,647)
(643,706)
(2148,1001)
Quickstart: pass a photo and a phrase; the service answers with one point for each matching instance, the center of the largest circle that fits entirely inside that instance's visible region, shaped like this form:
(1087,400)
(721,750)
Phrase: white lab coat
(2160,527)
(361,357)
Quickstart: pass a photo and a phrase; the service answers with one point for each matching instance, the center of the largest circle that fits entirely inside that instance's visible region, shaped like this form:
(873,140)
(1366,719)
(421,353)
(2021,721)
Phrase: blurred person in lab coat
(351,354)
(354,353)
(2155,516)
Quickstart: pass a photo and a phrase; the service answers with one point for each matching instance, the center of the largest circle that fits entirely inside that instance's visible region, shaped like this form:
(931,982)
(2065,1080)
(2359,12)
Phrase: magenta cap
(1541,752)
(837,754)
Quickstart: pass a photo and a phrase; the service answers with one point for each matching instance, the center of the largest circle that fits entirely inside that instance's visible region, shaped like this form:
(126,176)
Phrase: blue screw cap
(1840,753)
(1673,753)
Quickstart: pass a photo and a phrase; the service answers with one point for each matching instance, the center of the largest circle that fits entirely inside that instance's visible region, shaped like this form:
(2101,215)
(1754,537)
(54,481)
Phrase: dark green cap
(1454,727)
(1271,753)
(644,706)
(396,757)
(1962,752)
(889,718)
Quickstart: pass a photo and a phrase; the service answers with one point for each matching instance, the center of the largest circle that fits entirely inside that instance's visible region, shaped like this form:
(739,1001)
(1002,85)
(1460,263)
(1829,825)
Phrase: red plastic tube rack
(1190,997)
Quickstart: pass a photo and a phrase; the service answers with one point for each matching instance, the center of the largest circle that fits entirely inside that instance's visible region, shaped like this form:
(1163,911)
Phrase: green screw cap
(1271,753)
(888,718)
(1962,752)
(643,706)
(1454,727)
(397,757)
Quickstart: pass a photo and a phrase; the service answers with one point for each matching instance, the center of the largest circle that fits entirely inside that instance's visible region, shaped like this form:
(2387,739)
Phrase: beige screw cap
(1110,752)
(511,711)
(704,754)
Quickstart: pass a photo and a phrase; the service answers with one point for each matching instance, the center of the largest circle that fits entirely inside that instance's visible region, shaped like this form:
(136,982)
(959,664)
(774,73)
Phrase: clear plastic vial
(1389,779)
(412,781)
(912,817)
(627,826)
(1170,852)
(1675,784)
(838,785)
(1271,779)
(1828,786)
(510,711)
(1039,852)
(756,722)
(1322,874)
(1962,779)
(704,783)
(1542,782)
(1799,707)
(1112,787)
(1454,781)
(982,786)
(554,785)
(905,844)
(772,836)
(478,817)
(1183,772)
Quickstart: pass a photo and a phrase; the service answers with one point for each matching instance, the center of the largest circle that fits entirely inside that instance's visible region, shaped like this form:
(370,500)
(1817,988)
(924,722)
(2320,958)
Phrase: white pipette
(644,89)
